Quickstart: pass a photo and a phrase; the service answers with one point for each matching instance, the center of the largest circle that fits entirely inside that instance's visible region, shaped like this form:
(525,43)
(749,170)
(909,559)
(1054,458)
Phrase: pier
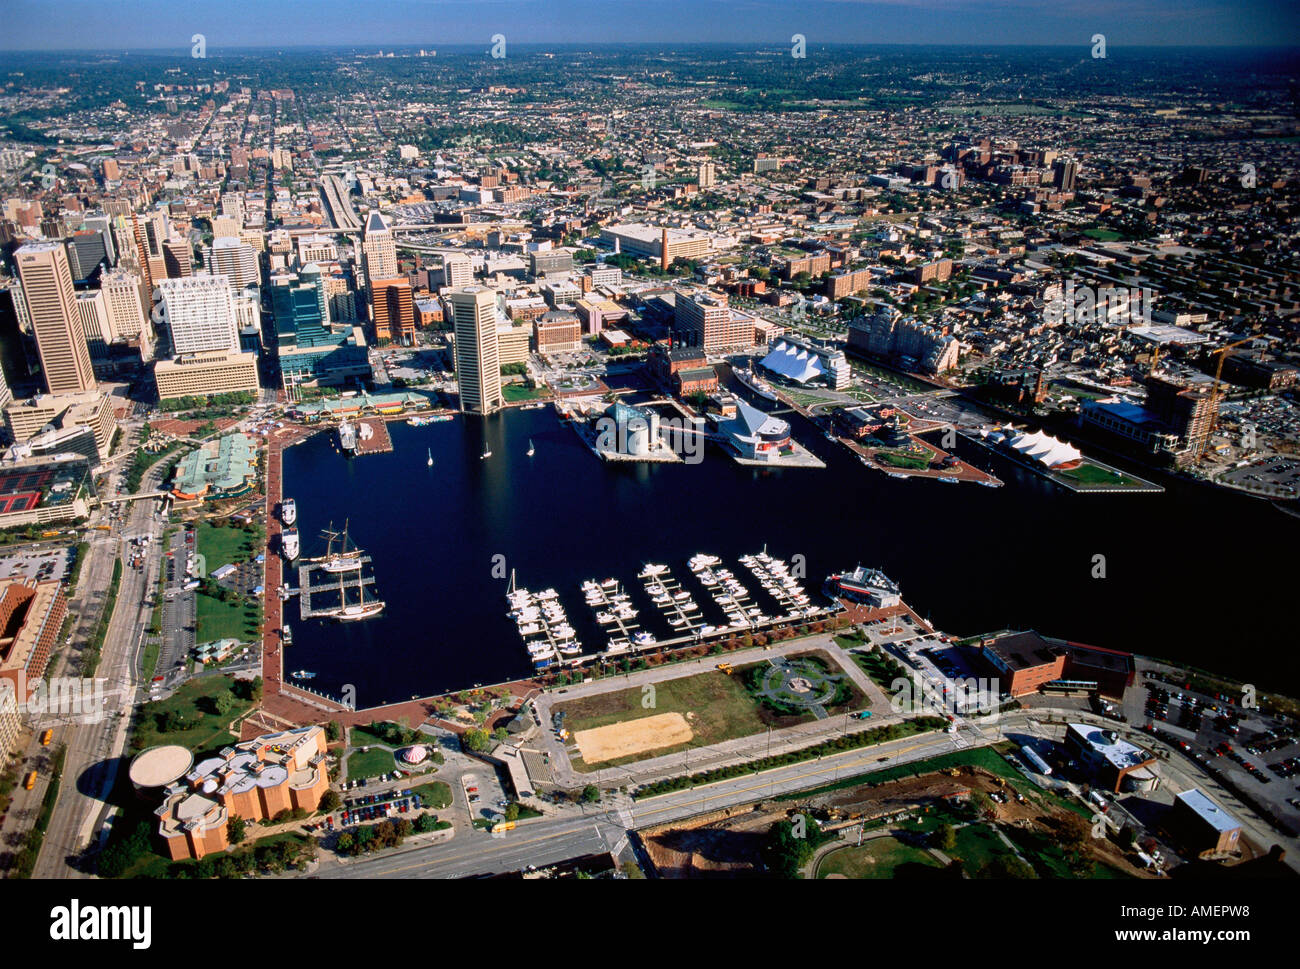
(313,581)
(680,618)
(729,594)
(601,600)
(373,436)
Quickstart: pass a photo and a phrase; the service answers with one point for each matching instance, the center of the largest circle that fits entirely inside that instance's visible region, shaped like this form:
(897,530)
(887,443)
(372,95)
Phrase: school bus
(46,737)
(30,782)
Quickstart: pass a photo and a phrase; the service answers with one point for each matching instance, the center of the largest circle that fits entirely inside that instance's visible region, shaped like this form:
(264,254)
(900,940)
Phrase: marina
(543,625)
(616,615)
(732,597)
(773,574)
(680,611)
(705,502)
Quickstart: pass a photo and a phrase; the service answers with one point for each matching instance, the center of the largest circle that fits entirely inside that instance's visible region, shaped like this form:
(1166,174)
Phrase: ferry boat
(289,544)
(302,675)
(755,383)
(288,511)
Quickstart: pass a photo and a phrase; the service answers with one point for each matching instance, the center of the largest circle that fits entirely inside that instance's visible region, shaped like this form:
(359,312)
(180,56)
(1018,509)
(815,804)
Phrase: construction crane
(1222,354)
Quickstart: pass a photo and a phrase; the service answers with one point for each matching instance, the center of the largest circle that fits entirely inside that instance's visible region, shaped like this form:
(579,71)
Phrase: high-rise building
(231,257)
(392,309)
(706,320)
(457,272)
(87,249)
(379,250)
(200,314)
(478,361)
(708,174)
(51,304)
(93,314)
(126,320)
(178,258)
(1064,173)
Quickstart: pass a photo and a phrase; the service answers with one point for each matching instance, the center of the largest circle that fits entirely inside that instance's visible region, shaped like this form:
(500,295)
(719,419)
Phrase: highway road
(582,830)
(94,748)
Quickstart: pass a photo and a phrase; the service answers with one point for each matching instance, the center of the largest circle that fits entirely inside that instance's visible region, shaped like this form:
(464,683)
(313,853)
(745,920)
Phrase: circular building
(155,767)
(415,755)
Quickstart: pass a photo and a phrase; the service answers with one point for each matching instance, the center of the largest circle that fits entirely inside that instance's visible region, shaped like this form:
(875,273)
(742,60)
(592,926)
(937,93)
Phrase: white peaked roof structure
(794,363)
(1040,447)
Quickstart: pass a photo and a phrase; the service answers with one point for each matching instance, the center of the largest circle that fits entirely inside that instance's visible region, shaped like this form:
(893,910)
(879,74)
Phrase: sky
(170,24)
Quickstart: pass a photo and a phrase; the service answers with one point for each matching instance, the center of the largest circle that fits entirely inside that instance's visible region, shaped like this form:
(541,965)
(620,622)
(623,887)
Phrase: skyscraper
(200,313)
(379,249)
(236,260)
(51,304)
(121,291)
(392,309)
(478,361)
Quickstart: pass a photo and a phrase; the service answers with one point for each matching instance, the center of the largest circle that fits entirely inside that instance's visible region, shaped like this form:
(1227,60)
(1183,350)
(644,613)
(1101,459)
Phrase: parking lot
(39,565)
(1276,475)
(1256,752)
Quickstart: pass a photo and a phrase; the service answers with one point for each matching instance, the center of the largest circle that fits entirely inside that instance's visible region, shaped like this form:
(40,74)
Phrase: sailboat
(431,457)
(363,610)
(531,448)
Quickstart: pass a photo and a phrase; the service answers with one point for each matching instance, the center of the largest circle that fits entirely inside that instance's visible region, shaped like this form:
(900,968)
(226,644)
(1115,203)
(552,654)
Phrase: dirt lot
(632,737)
(729,844)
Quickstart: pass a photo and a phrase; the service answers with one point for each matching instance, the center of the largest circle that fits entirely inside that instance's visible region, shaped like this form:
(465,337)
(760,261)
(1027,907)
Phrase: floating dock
(373,436)
(681,613)
(620,629)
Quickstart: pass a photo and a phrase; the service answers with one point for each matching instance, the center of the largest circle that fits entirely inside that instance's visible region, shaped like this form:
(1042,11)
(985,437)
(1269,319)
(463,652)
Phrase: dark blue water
(1189,573)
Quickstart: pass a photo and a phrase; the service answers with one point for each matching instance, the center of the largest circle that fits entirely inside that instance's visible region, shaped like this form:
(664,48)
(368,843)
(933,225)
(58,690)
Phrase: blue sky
(137,24)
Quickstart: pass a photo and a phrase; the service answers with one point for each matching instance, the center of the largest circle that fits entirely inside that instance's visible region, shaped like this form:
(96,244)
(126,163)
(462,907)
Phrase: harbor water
(1171,581)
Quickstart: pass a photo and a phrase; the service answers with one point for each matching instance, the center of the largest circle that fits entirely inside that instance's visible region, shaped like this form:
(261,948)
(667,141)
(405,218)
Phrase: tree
(329,802)
(945,837)
(235,829)
(333,730)
(591,794)
(476,740)
(512,811)
(223,701)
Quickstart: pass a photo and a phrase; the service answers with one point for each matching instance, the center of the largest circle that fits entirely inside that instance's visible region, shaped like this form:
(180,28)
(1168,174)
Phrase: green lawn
(204,729)
(902,459)
(517,392)
(436,794)
(874,859)
(370,763)
(1090,474)
(716,705)
(223,546)
(222,620)
(977,845)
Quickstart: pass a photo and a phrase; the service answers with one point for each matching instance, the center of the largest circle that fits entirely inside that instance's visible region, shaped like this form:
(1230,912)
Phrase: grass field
(205,730)
(370,763)
(515,392)
(220,620)
(222,546)
(436,795)
(901,459)
(875,859)
(715,705)
(1090,474)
